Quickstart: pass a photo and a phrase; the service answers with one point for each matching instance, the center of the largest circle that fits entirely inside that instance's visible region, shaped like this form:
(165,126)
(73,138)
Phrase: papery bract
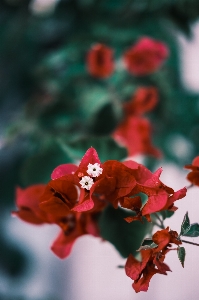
(38,205)
(145,57)
(100,61)
(152,260)
(27,202)
(160,196)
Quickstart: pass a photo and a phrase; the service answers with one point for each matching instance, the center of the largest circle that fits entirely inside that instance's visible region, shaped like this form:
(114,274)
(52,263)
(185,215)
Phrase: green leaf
(185,225)
(37,168)
(147,244)
(124,236)
(193,230)
(106,148)
(181,255)
(166,214)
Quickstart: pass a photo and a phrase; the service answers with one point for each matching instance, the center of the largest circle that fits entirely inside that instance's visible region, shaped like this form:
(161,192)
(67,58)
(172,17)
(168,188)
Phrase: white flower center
(86,182)
(94,170)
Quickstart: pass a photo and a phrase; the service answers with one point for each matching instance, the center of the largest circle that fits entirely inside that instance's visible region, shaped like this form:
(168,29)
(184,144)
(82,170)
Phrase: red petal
(162,239)
(28,216)
(193,177)
(63,170)
(62,246)
(143,283)
(176,196)
(155,203)
(195,162)
(90,157)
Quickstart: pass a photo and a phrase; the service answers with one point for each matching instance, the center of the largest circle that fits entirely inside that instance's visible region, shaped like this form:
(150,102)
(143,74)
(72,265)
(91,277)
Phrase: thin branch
(195,244)
(189,186)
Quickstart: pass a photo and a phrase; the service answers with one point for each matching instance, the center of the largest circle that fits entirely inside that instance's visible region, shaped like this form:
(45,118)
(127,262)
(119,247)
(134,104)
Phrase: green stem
(161,225)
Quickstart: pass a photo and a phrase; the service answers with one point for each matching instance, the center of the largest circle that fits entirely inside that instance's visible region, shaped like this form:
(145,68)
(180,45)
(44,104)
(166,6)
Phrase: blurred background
(52,110)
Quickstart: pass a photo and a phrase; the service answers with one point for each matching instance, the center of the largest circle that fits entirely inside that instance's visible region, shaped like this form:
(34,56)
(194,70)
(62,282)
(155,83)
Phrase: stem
(189,186)
(161,221)
(157,224)
(195,244)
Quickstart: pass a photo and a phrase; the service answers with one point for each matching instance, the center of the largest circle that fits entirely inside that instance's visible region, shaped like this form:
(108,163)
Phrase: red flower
(134,132)
(152,260)
(144,100)
(145,57)
(160,196)
(98,184)
(67,178)
(100,61)
(193,176)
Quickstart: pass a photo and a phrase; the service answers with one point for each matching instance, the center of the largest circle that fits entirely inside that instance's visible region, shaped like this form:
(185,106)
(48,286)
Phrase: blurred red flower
(193,176)
(152,260)
(145,57)
(100,61)
(134,132)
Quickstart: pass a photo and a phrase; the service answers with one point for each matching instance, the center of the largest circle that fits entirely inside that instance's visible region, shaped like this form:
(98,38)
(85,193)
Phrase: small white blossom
(94,170)
(86,182)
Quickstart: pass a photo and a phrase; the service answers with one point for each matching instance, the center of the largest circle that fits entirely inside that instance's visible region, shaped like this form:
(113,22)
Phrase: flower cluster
(152,259)
(143,58)
(76,195)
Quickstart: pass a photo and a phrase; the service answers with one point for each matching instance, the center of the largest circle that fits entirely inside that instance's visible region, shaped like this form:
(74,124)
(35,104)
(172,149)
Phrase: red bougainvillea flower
(97,183)
(73,225)
(134,132)
(144,100)
(160,196)
(100,61)
(152,260)
(145,57)
(193,176)
(68,178)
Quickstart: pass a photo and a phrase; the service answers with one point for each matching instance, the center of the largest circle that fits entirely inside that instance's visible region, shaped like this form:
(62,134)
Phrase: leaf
(37,168)
(106,148)
(193,230)
(147,244)
(181,255)
(185,225)
(166,214)
(124,236)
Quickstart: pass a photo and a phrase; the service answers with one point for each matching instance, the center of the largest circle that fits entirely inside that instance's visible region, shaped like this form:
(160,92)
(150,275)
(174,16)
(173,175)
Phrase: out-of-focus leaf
(106,148)
(124,236)
(166,214)
(38,167)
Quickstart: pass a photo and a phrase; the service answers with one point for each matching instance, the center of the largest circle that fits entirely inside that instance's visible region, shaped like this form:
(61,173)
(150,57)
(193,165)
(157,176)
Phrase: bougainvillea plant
(77,196)
(124,196)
